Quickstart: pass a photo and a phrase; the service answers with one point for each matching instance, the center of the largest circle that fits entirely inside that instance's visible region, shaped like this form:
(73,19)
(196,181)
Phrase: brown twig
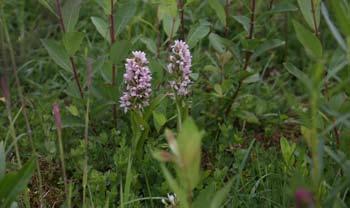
(71,59)
(271,4)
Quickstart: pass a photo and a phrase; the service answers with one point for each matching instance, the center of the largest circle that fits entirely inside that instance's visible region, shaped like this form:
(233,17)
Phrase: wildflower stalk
(71,59)
(23,104)
(58,123)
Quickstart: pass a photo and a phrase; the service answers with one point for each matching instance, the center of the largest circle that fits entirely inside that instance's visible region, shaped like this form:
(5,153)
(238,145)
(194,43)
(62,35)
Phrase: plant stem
(227,14)
(180,5)
(179,113)
(114,69)
(247,56)
(271,4)
(71,59)
(61,149)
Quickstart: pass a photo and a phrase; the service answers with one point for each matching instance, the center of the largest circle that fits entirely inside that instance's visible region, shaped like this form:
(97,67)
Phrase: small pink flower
(180,67)
(303,198)
(137,79)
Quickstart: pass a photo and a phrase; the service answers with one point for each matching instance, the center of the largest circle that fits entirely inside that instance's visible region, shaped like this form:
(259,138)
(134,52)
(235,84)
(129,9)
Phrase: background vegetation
(266,123)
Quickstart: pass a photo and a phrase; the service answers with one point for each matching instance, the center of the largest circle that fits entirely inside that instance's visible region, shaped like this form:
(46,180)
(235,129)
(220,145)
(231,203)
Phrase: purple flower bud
(137,80)
(303,198)
(5,88)
(57,116)
(180,67)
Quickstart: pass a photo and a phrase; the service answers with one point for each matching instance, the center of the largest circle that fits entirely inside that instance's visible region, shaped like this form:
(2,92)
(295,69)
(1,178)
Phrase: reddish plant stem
(227,13)
(247,56)
(114,68)
(71,59)
(180,5)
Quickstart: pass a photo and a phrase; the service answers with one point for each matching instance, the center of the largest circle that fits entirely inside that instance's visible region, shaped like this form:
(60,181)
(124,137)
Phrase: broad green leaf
(159,120)
(287,151)
(171,25)
(102,27)
(14,183)
(310,42)
(189,144)
(217,42)
(48,4)
(341,12)
(150,44)
(167,7)
(2,160)
(73,110)
(219,10)
(221,195)
(72,41)
(197,34)
(244,21)
(125,13)
(298,74)
(70,14)
(204,197)
(283,7)
(105,5)
(266,46)
(306,9)
(120,50)
(57,53)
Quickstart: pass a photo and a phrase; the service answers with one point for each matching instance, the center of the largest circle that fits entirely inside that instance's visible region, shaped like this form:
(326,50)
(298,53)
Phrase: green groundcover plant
(175,103)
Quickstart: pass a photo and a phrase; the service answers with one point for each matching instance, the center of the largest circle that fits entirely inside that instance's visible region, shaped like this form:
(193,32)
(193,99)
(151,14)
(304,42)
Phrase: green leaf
(175,187)
(248,117)
(70,14)
(335,32)
(287,151)
(120,50)
(306,9)
(102,27)
(244,21)
(219,10)
(150,44)
(105,5)
(189,144)
(221,195)
(57,53)
(283,7)
(197,34)
(298,74)
(2,160)
(167,7)
(14,183)
(266,46)
(48,5)
(159,120)
(72,41)
(217,42)
(124,15)
(204,197)
(341,10)
(310,42)
(171,25)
